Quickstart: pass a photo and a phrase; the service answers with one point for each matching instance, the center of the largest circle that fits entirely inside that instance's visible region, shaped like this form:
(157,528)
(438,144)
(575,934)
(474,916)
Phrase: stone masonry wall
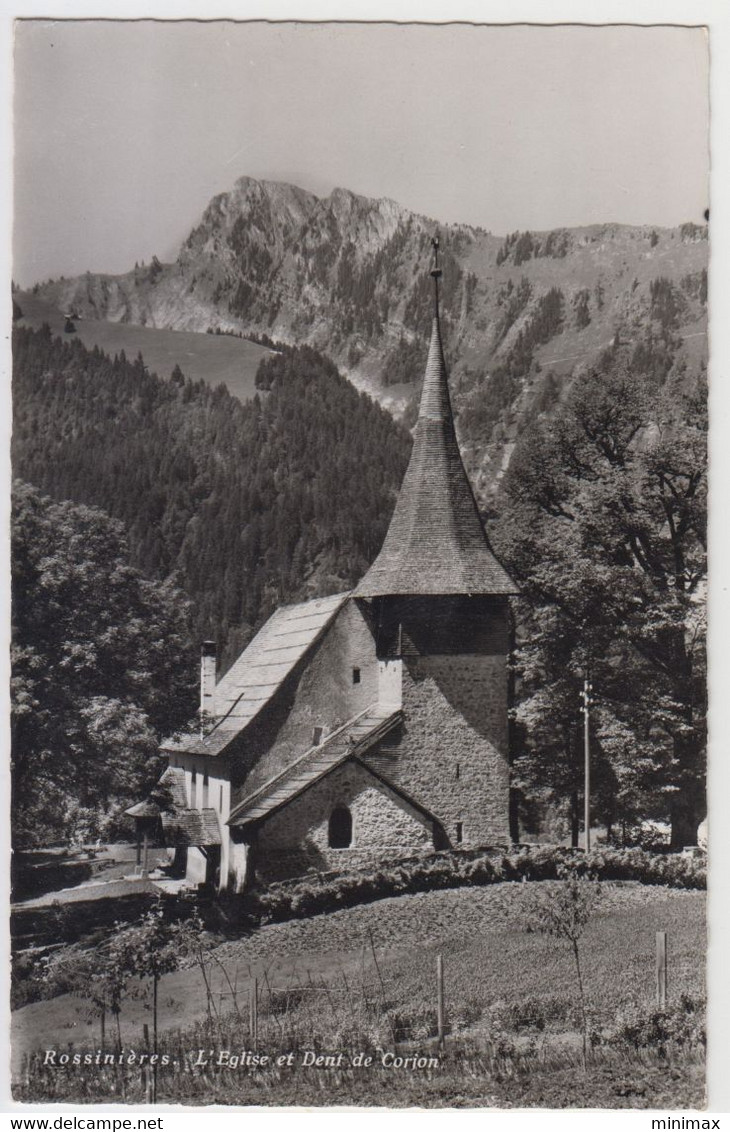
(452,753)
(295,839)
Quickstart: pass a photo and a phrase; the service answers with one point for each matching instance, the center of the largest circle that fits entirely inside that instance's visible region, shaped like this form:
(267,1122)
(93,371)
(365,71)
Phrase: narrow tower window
(193,788)
(340,828)
(459,832)
(458,771)
(317,733)
(356,675)
(205,792)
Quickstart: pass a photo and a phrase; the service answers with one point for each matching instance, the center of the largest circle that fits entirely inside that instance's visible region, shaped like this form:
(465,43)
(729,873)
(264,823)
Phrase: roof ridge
(309,601)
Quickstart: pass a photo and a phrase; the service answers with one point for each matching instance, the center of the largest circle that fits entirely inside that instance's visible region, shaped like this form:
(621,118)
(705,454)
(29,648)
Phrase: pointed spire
(435,400)
(435,542)
(436,273)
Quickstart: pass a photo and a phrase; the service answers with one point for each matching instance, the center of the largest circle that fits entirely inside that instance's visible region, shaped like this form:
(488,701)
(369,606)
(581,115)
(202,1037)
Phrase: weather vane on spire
(435,272)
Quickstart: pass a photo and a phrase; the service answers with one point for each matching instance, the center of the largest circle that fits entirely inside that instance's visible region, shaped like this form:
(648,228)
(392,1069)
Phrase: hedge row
(313,894)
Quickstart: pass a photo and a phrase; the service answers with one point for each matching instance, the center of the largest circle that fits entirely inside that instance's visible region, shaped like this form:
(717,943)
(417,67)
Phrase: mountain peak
(349,275)
(275,191)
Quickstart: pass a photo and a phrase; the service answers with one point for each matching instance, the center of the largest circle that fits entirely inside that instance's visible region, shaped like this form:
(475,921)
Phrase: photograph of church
(359,728)
(359,565)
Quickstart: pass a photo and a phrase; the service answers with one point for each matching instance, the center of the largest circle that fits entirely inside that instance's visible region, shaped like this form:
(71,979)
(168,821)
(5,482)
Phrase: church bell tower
(438,603)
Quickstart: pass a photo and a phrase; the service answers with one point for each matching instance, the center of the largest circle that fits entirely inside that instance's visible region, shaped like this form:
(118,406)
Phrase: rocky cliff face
(521,314)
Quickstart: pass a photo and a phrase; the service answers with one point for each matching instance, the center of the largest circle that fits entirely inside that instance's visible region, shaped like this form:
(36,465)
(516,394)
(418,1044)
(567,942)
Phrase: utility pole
(586,709)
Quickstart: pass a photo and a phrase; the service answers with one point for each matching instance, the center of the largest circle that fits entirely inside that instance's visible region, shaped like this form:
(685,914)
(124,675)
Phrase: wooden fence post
(154,1036)
(440,1013)
(661,970)
(254,1006)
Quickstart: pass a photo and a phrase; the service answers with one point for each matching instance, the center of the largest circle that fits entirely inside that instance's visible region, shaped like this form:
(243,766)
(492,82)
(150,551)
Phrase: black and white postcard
(359,564)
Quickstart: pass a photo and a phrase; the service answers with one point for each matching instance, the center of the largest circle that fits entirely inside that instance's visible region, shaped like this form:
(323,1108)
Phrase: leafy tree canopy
(604,524)
(103,666)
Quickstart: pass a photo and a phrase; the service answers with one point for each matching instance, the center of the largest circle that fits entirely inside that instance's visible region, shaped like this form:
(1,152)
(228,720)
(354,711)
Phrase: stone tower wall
(453,751)
(450,754)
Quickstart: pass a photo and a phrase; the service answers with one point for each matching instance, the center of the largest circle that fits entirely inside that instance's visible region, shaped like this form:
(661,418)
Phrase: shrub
(27,980)
(412,1026)
(286,1000)
(682,1024)
(534,1012)
(462,868)
(564,912)
(465,1013)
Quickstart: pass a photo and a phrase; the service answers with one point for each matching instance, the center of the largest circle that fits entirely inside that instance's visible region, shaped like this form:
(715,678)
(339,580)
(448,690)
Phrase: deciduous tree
(103,665)
(604,525)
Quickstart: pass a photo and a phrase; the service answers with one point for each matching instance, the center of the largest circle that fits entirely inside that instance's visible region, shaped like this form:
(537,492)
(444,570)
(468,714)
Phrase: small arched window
(340,828)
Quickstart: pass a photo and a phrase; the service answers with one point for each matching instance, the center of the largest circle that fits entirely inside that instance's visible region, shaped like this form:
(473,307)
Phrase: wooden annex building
(365,726)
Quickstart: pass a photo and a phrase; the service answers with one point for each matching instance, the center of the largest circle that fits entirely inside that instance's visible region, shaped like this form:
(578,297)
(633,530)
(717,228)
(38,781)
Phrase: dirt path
(182,1000)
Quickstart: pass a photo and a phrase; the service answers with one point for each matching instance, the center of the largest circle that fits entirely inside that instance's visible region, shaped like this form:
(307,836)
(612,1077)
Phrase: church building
(368,726)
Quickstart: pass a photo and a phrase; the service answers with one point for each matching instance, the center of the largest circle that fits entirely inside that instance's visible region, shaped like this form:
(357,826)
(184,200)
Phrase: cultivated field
(213,358)
(363,979)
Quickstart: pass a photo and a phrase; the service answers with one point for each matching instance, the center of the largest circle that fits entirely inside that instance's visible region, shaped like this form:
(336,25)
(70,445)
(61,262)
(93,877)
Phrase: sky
(124,130)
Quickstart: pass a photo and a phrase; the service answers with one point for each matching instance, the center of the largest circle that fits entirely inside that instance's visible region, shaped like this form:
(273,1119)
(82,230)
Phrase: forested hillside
(246,505)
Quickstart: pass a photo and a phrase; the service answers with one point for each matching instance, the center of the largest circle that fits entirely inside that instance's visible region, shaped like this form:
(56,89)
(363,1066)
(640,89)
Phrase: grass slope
(213,358)
(349,974)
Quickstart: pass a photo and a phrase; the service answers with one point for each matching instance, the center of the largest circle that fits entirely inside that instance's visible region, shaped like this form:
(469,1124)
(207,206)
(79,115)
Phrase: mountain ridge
(349,275)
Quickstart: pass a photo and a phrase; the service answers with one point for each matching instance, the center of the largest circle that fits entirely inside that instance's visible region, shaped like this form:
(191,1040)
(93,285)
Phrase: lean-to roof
(350,740)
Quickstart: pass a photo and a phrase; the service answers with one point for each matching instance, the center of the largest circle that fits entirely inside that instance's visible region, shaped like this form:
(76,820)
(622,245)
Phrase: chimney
(207,682)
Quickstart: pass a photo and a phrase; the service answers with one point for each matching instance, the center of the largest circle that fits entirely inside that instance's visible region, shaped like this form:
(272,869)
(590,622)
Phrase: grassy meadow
(362,980)
(212,358)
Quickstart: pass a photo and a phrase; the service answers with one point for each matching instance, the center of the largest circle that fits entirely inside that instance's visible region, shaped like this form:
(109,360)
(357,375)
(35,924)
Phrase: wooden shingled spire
(435,542)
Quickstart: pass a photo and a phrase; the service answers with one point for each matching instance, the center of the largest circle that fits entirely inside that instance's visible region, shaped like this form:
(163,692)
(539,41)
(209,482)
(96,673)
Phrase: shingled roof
(435,542)
(168,795)
(180,824)
(352,739)
(191,827)
(260,671)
